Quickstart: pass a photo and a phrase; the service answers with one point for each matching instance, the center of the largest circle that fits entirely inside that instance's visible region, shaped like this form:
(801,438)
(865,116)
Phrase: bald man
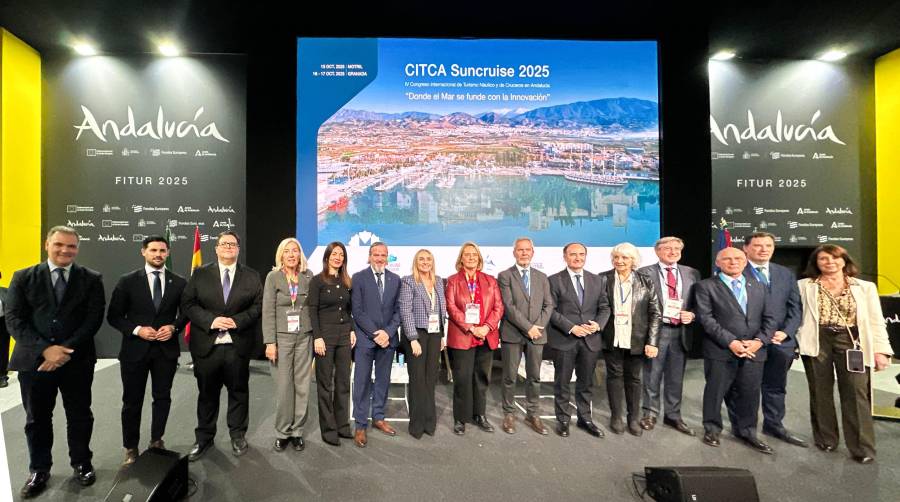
(736,315)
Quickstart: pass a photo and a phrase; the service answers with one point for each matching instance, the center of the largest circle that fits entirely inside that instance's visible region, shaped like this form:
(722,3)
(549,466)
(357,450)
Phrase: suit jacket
(36,321)
(329,311)
(688,277)
(277,303)
(131,306)
(521,311)
(415,305)
(569,313)
(372,311)
(646,314)
(786,306)
(203,301)
(723,320)
(457,294)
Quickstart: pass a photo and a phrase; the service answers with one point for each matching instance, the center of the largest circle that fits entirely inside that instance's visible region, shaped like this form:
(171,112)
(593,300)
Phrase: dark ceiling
(760,29)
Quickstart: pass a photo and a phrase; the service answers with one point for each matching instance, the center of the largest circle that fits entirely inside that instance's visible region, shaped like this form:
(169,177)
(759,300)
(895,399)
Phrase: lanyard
(472,285)
(665,280)
(622,297)
(293,288)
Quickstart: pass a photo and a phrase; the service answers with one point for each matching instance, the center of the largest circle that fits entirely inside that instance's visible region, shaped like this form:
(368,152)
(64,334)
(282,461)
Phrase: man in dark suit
(781,283)
(144,308)
(223,301)
(527,306)
(734,312)
(4,342)
(581,312)
(674,286)
(53,310)
(376,318)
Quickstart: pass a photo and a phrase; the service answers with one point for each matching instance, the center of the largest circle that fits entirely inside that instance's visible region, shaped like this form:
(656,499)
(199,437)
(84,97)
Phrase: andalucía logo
(776,133)
(160,129)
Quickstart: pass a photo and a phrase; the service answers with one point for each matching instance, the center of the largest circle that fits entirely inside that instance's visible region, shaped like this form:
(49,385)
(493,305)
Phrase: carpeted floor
(524,466)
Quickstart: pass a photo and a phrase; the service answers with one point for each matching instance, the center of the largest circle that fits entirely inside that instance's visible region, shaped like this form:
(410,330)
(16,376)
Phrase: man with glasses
(223,301)
(674,286)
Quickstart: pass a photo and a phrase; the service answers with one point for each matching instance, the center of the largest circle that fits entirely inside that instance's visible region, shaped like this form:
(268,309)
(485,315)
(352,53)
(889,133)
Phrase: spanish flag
(196,261)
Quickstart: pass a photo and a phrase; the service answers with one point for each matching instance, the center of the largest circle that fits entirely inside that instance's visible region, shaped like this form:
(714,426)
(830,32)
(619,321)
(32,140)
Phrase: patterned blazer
(415,305)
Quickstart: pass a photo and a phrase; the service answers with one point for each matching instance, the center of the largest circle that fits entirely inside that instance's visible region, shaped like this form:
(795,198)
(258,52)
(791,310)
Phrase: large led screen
(431,143)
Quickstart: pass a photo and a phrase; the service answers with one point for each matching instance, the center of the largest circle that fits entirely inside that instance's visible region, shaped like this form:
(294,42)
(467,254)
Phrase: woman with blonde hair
(475,308)
(287,334)
(422,312)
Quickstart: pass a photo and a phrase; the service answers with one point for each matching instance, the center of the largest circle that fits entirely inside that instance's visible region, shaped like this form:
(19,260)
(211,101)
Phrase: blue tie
(157,290)
(226,285)
(380,285)
(739,294)
(60,287)
(580,289)
(526,282)
(763,276)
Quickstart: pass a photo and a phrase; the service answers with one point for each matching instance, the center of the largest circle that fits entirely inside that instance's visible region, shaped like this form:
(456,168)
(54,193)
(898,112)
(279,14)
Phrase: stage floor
(499,466)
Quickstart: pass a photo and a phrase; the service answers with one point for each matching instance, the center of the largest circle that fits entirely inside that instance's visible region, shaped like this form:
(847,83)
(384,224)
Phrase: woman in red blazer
(475,308)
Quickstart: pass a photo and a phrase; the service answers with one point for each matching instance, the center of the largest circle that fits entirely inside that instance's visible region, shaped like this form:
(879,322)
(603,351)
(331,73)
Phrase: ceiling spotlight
(84,49)
(723,55)
(833,55)
(169,49)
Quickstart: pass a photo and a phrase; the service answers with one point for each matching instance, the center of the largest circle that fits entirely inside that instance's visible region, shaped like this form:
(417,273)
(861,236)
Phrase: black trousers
(582,361)
(423,376)
(134,381)
(39,388)
(853,389)
(4,346)
(512,353)
(737,383)
(222,366)
(774,387)
(623,383)
(471,378)
(333,390)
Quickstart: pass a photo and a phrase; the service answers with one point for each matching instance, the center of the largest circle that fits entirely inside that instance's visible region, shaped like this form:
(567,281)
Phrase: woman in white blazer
(841,314)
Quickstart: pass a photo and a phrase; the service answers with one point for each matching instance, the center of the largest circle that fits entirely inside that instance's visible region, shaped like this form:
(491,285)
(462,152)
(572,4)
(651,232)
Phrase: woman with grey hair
(631,334)
(287,334)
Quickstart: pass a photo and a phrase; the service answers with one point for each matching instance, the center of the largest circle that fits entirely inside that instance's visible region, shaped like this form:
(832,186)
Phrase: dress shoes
(712,439)
(679,426)
(239,446)
(280,444)
(617,426)
(562,428)
(590,427)
(536,424)
(634,428)
(648,422)
(359,438)
(332,440)
(346,434)
(298,443)
(157,444)
(509,423)
(459,428)
(429,432)
(384,427)
(826,447)
(758,445)
(131,454)
(787,437)
(4,382)
(35,484)
(84,474)
(865,459)
(482,422)
(198,450)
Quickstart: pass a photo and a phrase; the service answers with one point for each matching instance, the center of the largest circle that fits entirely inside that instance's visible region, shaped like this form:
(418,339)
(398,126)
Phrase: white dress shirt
(622,296)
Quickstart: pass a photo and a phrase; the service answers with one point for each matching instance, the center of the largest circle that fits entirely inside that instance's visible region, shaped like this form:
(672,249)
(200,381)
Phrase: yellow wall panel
(887,160)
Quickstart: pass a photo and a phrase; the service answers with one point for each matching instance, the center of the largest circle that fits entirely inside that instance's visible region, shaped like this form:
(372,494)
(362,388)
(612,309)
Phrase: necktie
(739,294)
(526,282)
(380,284)
(762,273)
(580,289)
(226,285)
(672,287)
(60,287)
(157,290)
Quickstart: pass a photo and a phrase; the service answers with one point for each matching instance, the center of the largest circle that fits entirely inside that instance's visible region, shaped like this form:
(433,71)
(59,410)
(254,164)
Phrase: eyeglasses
(227,245)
